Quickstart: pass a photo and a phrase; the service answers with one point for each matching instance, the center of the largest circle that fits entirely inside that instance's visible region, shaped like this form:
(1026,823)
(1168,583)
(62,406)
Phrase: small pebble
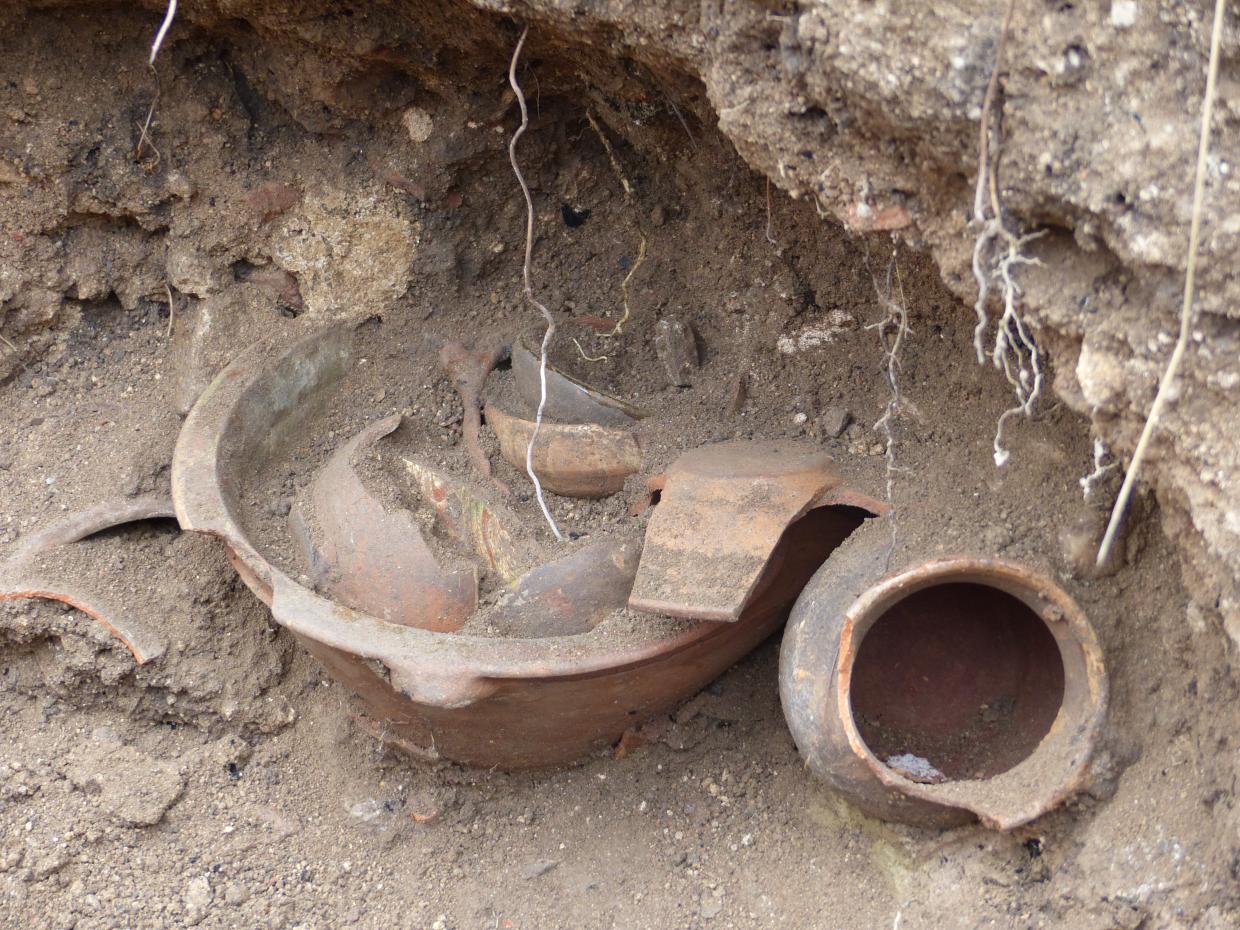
(539,867)
(834,421)
(235,894)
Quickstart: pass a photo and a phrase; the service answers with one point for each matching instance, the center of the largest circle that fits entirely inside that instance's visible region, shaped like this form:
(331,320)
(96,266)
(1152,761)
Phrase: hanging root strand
(169,16)
(1089,484)
(618,329)
(156,45)
(529,290)
(893,329)
(997,253)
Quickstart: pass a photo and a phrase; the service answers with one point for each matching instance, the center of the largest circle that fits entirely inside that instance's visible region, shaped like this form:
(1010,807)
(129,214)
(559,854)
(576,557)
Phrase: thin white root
(996,254)
(624,288)
(163,30)
(1187,316)
(892,330)
(585,356)
(611,155)
(172,310)
(156,45)
(1089,484)
(529,291)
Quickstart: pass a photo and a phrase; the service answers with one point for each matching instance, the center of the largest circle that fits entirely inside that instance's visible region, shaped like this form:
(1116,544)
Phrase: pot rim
(1065,749)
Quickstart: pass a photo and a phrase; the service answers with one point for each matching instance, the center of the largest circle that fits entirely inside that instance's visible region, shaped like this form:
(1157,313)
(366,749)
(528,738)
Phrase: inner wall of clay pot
(956,681)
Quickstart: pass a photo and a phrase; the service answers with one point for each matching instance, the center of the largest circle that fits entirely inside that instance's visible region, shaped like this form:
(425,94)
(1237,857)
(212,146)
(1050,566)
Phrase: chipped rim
(1073,735)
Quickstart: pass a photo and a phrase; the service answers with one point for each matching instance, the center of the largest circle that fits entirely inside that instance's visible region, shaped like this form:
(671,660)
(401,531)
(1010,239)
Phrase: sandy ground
(226,782)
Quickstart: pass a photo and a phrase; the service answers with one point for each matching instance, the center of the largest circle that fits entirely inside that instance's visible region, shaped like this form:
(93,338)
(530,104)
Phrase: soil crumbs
(226,785)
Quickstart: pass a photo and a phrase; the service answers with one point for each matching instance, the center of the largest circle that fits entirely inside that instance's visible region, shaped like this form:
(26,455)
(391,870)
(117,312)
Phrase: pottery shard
(575,460)
(723,510)
(677,349)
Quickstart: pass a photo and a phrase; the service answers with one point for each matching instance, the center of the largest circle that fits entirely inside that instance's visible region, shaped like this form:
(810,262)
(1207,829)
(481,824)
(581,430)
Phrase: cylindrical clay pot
(936,691)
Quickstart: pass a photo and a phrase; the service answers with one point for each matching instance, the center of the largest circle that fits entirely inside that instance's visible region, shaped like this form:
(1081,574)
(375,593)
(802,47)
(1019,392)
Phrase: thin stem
(163,30)
(1187,317)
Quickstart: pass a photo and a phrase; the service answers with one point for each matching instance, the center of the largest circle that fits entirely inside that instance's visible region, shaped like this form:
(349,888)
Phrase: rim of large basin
(202,505)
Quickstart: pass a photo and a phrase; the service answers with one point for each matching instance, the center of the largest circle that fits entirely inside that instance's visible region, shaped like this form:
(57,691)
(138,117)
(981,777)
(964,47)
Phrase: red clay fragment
(722,513)
(572,459)
(373,559)
(38,569)
(645,500)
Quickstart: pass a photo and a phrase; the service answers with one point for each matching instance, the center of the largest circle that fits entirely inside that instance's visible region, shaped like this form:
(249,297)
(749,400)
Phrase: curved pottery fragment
(572,459)
(48,564)
(486,701)
(568,400)
(572,594)
(723,509)
(374,559)
(949,689)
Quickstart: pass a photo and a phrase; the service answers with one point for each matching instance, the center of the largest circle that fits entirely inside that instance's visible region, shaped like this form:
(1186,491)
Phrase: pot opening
(956,681)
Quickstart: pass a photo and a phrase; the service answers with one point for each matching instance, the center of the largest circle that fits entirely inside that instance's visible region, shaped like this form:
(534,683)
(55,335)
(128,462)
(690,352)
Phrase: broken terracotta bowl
(723,510)
(568,400)
(48,564)
(943,691)
(373,557)
(572,459)
(486,701)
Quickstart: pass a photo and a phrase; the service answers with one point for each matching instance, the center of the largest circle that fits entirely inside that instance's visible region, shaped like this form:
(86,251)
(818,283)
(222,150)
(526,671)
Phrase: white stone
(1123,13)
(418,124)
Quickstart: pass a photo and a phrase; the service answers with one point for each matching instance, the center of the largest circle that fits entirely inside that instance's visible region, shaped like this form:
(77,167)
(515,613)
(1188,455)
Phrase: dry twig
(529,290)
(1187,317)
(628,197)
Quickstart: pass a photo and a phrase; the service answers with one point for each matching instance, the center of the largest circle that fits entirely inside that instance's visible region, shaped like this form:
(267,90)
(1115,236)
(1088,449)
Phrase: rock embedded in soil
(135,789)
(197,898)
(540,867)
(834,421)
(677,350)
(235,894)
(418,124)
